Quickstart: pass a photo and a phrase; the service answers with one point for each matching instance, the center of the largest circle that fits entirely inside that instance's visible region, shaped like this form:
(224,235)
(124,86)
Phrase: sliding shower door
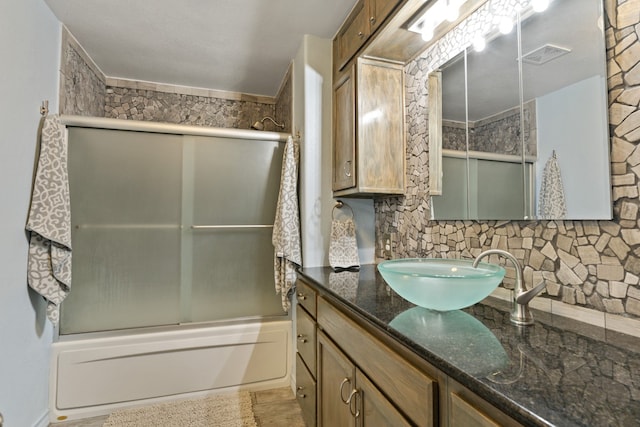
(229,254)
(168,229)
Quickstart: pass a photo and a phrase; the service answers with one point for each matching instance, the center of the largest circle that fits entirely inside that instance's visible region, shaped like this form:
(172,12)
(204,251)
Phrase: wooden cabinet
(361,377)
(347,396)
(306,352)
(363,21)
(465,408)
(368,140)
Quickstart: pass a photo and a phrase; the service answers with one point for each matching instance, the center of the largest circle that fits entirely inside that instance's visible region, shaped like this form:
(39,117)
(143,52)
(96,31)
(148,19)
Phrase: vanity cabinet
(364,377)
(365,18)
(306,352)
(368,138)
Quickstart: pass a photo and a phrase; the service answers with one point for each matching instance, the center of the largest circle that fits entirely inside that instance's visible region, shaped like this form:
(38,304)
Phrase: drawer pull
(299,394)
(353,403)
(301,338)
(344,381)
(301,296)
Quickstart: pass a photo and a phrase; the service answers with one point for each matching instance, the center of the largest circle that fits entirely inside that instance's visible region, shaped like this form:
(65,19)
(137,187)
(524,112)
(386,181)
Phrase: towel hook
(44,108)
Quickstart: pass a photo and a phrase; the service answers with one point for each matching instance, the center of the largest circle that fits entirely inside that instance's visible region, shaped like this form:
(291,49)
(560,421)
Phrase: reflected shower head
(259,125)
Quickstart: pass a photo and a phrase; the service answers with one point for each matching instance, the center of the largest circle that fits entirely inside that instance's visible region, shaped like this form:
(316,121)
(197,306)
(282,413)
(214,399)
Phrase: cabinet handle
(301,338)
(300,395)
(360,34)
(344,381)
(347,168)
(372,19)
(301,296)
(353,403)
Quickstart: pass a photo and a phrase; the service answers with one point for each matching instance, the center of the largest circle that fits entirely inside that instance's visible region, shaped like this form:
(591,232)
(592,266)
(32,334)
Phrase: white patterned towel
(551,204)
(49,265)
(286,228)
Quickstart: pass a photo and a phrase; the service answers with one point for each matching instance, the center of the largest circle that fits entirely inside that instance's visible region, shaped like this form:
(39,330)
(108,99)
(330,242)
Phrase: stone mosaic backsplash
(595,264)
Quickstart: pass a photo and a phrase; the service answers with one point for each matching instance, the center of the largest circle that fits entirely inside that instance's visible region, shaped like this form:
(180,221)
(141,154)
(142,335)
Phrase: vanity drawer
(407,387)
(306,339)
(305,392)
(306,297)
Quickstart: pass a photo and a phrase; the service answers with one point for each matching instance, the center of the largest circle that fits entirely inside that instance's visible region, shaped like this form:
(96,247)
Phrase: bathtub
(95,374)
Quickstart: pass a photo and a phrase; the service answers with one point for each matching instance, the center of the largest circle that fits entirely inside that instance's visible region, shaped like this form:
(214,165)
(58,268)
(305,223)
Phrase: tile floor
(272,408)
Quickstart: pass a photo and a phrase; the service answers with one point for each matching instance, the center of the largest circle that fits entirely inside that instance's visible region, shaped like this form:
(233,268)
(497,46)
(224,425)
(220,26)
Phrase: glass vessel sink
(441,284)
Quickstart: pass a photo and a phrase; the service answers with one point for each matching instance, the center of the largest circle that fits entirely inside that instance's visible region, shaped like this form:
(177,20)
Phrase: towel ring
(340,204)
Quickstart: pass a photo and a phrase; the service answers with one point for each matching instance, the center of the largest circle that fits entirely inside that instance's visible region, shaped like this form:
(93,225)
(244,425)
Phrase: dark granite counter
(555,372)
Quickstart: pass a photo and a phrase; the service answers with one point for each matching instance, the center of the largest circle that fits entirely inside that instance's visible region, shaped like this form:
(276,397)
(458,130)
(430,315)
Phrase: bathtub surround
(592,264)
(86,91)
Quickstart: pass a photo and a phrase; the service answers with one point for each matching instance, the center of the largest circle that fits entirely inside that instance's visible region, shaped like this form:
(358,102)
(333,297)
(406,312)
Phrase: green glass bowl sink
(441,284)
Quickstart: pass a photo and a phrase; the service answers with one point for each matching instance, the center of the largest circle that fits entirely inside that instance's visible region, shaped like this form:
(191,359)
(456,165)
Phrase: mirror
(504,121)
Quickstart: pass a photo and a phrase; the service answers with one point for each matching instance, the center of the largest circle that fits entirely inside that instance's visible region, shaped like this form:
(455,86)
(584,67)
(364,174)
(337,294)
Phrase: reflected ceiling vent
(544,54)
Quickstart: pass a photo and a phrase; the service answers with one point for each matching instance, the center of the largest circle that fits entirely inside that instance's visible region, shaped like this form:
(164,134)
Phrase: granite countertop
(555,372)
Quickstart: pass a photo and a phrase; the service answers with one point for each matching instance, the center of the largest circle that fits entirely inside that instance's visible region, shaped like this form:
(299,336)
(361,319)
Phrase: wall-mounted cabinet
(364,20)
(368,140)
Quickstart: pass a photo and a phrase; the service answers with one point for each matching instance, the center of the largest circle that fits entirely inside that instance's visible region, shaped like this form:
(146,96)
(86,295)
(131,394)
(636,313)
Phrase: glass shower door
(228,217)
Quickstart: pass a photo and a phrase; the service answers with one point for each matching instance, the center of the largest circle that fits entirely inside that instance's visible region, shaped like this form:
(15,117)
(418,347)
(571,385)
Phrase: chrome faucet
(520,314)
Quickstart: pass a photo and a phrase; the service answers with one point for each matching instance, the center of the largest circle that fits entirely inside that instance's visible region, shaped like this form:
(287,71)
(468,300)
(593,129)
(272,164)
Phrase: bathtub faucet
(520,313)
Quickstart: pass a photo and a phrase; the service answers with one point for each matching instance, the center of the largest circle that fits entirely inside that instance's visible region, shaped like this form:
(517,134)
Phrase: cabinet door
(344,137)
(374,410)
(336,382)
(354,33)
(380,127)
(378,11)
(464,414)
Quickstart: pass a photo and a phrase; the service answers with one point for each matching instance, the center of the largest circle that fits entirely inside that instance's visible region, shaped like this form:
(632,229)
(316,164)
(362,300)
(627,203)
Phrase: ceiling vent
(544,54)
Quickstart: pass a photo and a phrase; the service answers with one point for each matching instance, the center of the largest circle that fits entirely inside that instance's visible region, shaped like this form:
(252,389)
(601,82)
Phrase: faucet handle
(526,296)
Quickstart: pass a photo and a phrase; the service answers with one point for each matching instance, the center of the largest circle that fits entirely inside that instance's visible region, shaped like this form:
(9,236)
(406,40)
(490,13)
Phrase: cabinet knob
(299,392)
(301,296)
(372,19)
(347,168)
(360,34)
(301,338)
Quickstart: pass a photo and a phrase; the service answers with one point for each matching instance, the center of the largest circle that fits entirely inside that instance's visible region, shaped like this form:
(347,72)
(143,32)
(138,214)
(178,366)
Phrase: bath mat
(223,410)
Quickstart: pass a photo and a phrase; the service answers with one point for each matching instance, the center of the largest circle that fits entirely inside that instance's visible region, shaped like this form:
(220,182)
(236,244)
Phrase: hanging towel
(343,247)
(286,228)
(551,203)
(49,222)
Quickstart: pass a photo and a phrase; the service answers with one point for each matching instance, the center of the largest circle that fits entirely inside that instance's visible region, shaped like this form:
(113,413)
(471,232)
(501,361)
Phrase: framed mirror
(532,106)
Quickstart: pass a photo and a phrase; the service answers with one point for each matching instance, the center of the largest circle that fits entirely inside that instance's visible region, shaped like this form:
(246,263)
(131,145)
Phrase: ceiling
(241,46)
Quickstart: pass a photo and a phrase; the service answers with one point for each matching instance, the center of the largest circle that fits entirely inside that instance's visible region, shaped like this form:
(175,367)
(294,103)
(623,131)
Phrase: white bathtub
(95,374)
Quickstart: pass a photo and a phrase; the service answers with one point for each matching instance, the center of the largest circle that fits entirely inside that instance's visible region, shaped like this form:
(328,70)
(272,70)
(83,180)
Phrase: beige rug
(223,410)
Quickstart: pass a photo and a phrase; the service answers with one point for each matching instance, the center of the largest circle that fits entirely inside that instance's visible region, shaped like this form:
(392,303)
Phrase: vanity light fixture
(479,43)
(505,25)
(434,15)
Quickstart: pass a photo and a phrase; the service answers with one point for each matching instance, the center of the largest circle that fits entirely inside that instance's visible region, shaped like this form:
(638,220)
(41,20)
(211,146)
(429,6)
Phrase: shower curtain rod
(156,127)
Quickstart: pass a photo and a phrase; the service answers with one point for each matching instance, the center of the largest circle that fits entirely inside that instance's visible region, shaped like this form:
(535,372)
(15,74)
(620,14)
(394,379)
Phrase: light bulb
(453,11)
(427,32)
(540,5)
(506,25)
(479,44)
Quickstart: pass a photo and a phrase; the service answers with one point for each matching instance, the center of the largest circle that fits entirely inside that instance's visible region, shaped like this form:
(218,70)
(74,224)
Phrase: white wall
(312,116)
(29,48)
(573,122)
